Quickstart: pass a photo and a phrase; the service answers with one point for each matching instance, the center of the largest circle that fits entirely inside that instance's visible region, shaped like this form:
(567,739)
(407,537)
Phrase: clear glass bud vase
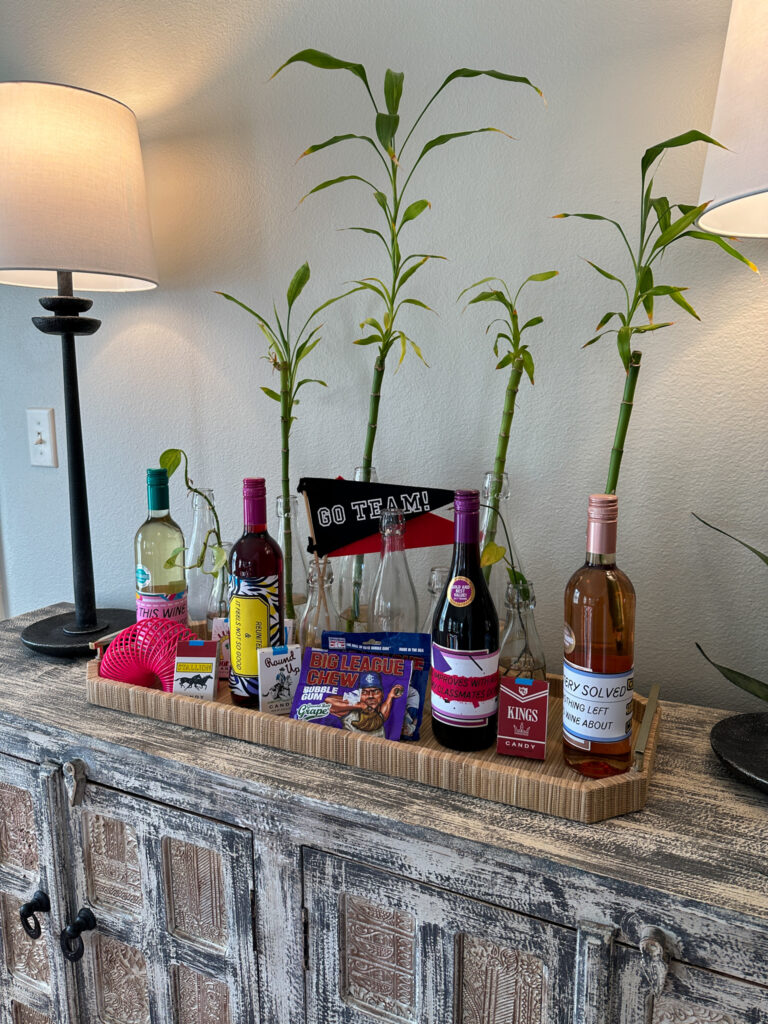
(319,612)
(354,580)
(495,528)
(292,538)
(521,652)
(200,582)
(393,607)
(438,577)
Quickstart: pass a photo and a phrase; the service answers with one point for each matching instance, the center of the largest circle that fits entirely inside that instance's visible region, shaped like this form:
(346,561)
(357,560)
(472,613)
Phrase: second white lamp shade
(72,192)
(736,179)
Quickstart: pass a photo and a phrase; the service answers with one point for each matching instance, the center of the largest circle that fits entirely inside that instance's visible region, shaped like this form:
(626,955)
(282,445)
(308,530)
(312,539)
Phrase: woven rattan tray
(547,786)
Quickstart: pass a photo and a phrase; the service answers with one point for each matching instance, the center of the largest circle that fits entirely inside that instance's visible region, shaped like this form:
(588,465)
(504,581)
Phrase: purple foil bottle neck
(466,523)
(254,504)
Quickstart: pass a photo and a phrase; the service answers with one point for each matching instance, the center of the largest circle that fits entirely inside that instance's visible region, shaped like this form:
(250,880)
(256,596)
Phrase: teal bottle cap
(157,489)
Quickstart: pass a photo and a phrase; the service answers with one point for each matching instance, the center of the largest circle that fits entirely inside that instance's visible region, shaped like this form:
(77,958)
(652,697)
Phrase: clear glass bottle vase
(292,538)
(438,577)
(522,654)
(354,579)
(393,607)
(495,526)
(199,578)
(319,612)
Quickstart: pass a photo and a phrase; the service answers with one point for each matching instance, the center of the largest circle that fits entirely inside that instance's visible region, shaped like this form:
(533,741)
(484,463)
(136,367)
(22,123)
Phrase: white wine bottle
(161,593)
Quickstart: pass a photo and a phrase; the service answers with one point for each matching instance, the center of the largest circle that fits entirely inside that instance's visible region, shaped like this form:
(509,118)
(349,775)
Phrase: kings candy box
(413,646)
(523,718)
(361,693)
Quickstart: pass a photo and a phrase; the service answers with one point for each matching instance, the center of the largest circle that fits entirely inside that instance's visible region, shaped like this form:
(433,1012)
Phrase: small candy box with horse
(197,668)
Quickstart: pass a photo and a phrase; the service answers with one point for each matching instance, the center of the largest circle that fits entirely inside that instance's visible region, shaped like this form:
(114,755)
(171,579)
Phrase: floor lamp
(735,183)
(73,215)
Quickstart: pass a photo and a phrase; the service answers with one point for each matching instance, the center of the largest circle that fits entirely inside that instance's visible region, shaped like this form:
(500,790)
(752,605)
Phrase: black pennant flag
(344,514)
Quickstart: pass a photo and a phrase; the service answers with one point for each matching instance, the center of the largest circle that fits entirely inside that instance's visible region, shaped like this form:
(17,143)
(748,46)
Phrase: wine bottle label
(596,707)
(143,576)
(162,606)
(254,622)
(465,686)
(461,591)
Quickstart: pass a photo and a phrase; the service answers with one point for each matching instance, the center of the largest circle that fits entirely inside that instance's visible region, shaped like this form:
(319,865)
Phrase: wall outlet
(41,436)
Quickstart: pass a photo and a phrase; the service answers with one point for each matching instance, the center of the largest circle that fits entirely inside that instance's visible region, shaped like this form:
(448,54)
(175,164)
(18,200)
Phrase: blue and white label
(143,576)
(596,707)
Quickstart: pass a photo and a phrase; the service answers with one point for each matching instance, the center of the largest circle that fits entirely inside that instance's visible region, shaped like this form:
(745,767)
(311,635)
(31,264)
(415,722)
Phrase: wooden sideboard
(232,883)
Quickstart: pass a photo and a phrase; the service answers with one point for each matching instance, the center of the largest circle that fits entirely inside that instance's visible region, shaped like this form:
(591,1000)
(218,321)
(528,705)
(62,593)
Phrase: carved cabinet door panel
(381,947)
(172,897)
(685,995)
(35,982)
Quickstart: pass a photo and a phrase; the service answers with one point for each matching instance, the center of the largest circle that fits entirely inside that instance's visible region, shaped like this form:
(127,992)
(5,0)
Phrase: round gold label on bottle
(461,591)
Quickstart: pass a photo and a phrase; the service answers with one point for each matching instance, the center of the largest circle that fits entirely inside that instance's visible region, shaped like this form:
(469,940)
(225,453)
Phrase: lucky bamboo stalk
(625,412)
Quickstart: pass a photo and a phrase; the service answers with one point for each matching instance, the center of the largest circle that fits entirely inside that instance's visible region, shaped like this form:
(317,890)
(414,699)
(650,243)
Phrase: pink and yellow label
(162,606)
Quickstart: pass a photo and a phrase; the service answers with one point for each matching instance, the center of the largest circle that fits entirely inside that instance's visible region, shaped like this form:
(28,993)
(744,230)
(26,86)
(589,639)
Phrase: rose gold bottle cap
(602,520)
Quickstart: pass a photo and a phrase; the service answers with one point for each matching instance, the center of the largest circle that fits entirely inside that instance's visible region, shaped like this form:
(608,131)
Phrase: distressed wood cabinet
(236,884)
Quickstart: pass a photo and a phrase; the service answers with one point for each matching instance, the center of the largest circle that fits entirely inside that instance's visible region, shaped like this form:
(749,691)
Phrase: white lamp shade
(72,192)
(736,179)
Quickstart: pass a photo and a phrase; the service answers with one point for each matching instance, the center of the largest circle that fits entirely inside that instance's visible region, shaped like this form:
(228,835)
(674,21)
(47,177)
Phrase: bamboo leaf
(417,350)
(393,89)
(605,273)
(755,551)
(623,341)
(326,62)
(534,322)
(381,199)
(441,140)
(527,363)
(500,75)
(685,139)
(644,328)
(369,286)
(645,285)
(242,305)
(492,553)
(335,181)
(403,349)
(423,256)
(545,275)
(661,208)
(372,339)
(325,305)
(596,338)
(271,394)
(419,303)
(678,298)
(369,231)
(606,319)
(386,127)
(305,348)
(309,380)
(491,296)
(372,322)
(707,236)
(170,460)
(413,211)
(505,360)
(744,682)
(469,288)
(335,140)
(297,284)
(677,227)
(412,270)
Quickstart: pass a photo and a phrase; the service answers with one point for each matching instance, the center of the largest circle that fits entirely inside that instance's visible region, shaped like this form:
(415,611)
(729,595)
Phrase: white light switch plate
(41,435)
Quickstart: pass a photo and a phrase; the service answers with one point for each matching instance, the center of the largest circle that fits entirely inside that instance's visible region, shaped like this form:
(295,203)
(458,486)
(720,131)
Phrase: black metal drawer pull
(71,943)
(39,904)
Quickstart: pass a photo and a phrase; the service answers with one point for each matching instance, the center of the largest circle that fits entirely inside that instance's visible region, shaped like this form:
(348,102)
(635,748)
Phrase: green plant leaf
(596,338)
(683,303)
(170,460)
(527,363)
(412,270)
(335,140)
(644,328)
(219,559)
(606,319)
(441,140)
(413,211)
(685,139)
(469,288)
(707,236)
(271,394)
(623,341)
(419,303)
(744,682)
(335,181)
(677,227)
(500,75)
(381,199)
(417,350)
(373,322)
(492,553)
(491,296)
(645,285)
(661,208)
(393,89)
(326,62)
(369,231)
(533,322)
(755,551)
(170,562)
(386,128)
(505,360)
(605,273)
(309,380)
(297,284)
(372,339)
(545,275)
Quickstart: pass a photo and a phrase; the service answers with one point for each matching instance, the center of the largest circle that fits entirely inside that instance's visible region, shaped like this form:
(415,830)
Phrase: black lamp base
(741,743)
(59,635)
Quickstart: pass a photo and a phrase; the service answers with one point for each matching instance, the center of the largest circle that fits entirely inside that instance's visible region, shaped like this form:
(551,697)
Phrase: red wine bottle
(255,595)
(465,642)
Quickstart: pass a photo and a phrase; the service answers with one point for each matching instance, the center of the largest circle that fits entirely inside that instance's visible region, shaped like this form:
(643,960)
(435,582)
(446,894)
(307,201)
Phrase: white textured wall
(179,366)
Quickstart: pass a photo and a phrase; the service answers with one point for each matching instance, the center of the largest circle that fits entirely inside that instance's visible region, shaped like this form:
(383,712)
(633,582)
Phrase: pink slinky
(145,653)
